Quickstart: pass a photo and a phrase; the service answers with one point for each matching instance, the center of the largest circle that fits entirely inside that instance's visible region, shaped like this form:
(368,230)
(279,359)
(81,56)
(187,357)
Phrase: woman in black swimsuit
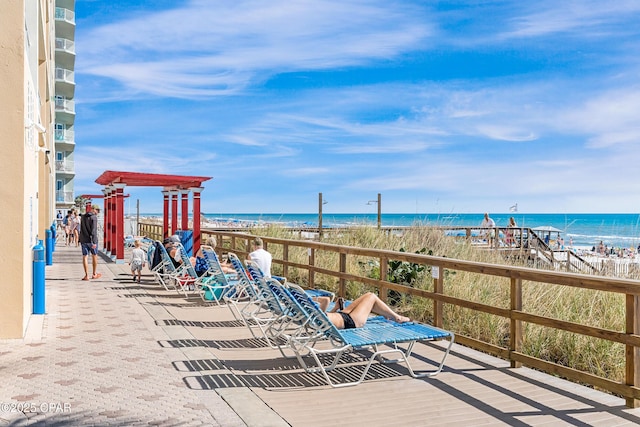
(355,314)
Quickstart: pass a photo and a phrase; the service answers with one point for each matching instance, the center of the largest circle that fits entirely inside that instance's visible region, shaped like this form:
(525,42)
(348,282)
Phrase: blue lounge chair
(160,265)
(318,327)
(214,283)
(186,279)
(243,298)
(181,278)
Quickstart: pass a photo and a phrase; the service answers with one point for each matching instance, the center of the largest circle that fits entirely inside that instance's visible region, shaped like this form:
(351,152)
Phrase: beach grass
(594,308)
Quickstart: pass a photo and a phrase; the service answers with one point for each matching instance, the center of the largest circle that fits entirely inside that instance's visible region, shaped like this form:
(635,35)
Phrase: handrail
(524,238)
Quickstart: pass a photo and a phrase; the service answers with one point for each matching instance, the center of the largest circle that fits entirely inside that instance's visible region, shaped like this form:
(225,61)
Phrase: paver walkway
(113,352)
(94,359)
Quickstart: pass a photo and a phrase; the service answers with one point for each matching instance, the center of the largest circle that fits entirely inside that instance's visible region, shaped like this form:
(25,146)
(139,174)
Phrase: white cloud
(555,130)
(589,18)
(506,133)
(201,50)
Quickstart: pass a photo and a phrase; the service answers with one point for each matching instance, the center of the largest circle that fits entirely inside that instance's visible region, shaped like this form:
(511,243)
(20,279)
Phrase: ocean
(585,230)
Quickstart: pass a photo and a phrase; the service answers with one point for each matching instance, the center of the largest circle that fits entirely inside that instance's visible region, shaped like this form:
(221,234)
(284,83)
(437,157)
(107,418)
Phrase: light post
(321,202)
(379,203)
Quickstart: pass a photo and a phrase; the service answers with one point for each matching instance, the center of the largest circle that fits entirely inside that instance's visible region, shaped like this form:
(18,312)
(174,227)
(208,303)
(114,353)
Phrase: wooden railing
(516,276)
(524,241)
(302,255)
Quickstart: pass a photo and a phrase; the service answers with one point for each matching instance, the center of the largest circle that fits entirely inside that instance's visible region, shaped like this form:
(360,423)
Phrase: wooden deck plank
(219,354)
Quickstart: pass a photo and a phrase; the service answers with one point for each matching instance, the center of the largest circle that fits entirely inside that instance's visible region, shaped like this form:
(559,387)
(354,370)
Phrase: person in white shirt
(486,224)
(261,257)
(137,261)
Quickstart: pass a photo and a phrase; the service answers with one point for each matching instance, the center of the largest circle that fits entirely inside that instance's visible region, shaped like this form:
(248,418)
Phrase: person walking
(488,228)
(510,233)
(137,261)
(88,238)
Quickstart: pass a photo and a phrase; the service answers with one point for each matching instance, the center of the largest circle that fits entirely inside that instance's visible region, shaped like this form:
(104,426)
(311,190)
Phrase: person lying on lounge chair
(355,314)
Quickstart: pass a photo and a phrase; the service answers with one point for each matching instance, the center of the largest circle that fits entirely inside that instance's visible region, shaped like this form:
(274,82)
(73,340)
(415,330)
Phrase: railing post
(438,288)
(632,353)
(515,333)
(285,260)
(384,267)
(312,263)
(342,291)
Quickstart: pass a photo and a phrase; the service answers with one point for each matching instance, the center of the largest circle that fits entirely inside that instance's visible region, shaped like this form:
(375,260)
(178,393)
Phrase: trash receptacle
(38,278)
(186,238)
(48,247)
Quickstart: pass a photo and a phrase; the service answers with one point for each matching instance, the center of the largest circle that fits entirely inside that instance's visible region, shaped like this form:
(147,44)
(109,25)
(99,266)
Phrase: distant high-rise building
(65,58)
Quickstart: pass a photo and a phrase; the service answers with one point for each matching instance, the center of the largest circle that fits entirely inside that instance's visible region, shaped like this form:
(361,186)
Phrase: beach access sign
(435,272)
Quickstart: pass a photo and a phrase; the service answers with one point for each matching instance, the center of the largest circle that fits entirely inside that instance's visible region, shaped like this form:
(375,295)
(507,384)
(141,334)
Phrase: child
(137,261)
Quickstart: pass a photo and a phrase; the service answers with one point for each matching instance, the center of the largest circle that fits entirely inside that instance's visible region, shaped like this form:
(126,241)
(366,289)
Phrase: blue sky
(456,106)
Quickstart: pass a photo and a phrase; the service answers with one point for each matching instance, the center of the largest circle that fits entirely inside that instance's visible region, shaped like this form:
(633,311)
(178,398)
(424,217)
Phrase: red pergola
(173,187)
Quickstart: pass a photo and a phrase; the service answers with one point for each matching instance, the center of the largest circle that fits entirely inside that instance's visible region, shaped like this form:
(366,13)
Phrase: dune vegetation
(586,307)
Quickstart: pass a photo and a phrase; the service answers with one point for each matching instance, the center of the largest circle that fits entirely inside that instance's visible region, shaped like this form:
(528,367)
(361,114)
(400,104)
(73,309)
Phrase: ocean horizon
(617,230)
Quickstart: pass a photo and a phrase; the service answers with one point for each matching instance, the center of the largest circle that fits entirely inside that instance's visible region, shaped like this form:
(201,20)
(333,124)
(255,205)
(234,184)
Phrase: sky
(439,106)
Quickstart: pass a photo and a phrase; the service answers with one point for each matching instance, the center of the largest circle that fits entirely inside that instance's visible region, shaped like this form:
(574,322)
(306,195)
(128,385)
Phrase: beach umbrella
(547,229)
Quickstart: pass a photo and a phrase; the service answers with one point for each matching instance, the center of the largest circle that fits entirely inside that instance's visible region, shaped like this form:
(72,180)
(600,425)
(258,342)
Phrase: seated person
(170,244)
(355,315)
(201,265)
(260,257)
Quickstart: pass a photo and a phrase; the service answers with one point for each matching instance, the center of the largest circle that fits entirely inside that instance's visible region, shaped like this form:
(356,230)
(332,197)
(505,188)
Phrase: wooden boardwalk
(113,352)
(473,389)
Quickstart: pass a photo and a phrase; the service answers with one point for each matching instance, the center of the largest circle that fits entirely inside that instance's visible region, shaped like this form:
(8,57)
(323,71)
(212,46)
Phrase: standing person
(76,228)
(137,261)
(487,223)
(88,238)
(261,257)
(67,227)
(73,222)
(510,233)
(59,218)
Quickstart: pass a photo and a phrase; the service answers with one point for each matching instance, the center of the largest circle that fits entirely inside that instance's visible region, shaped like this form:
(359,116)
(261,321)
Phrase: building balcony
(66,167)
(65,82)
(64,137)
(64,197)
(65,23)
(65,110)
(65,53)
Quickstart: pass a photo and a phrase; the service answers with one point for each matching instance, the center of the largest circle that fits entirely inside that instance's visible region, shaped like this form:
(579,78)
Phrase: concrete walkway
(114,352)
(94,358)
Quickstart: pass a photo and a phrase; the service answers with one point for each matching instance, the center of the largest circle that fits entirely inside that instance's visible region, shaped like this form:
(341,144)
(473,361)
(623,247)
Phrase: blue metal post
(48,250)
(38,278)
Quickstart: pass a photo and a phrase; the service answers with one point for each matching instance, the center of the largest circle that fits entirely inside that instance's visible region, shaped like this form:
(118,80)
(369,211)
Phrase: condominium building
(27,175)
(65,58)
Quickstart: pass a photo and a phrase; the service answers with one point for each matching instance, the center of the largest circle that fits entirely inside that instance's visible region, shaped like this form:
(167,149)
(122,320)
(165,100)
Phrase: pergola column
(119,221)
(185,208)
(106,218)
(165,214)
(174,210)
(112,221)
(196,217)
